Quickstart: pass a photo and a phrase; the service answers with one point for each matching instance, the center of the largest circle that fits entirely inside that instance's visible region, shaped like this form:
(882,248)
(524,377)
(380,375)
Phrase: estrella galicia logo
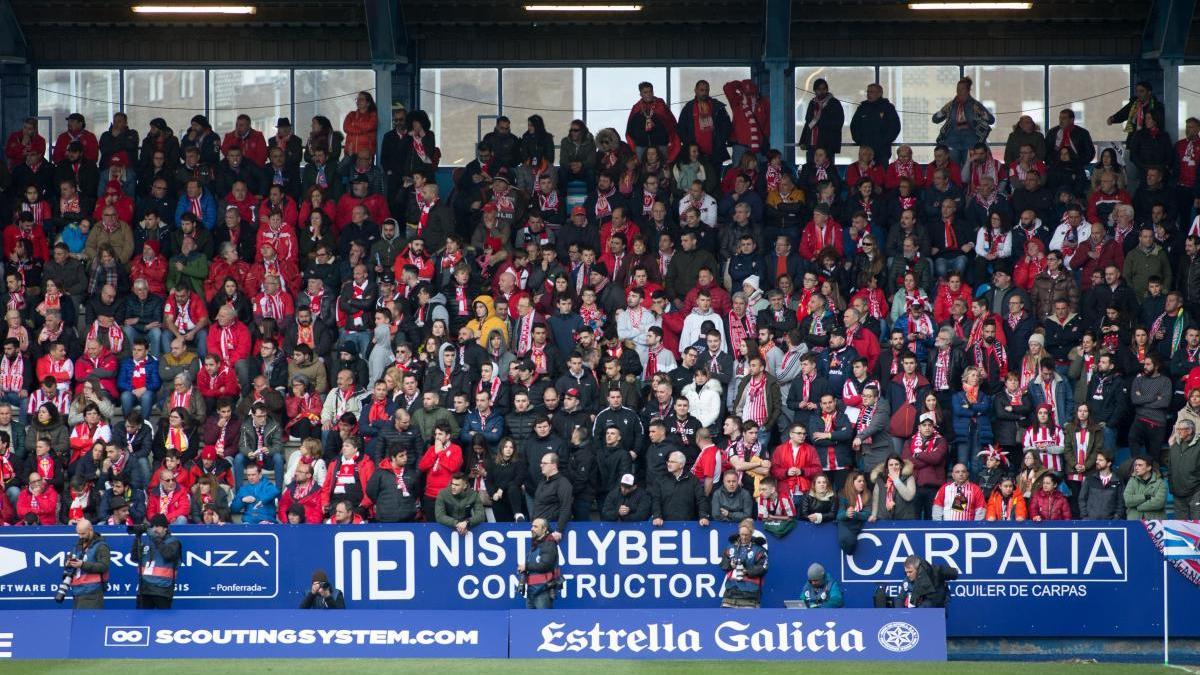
(899,636)
(126,636)
(385,561)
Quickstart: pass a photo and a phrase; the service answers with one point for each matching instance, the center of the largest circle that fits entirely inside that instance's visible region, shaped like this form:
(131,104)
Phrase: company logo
(11,560)
(899,637)
(126,636)
(1167,536)
(987,554)
(387,561)
(6,643)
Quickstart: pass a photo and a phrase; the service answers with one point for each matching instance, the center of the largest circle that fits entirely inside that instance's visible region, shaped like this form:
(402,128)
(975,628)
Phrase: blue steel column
(776,60)
(388,37)
(1163,43)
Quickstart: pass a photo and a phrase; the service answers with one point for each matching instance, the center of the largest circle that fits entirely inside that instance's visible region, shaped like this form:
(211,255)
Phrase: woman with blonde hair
(310,448)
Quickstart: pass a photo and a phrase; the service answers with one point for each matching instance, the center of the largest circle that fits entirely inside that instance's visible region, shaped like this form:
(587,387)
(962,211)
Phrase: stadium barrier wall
(1030,580)
(820,635)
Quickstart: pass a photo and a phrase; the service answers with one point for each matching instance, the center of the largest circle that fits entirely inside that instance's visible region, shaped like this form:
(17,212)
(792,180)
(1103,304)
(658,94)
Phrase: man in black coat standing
(705,122)
(823,119)
(876,124)
(678,496)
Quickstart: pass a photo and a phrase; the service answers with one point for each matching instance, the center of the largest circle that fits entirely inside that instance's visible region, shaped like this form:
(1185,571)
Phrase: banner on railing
(781,634)
(1015,580)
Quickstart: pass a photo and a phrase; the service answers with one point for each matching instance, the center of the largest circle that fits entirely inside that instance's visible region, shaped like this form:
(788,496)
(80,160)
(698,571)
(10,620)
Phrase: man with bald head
(89,562)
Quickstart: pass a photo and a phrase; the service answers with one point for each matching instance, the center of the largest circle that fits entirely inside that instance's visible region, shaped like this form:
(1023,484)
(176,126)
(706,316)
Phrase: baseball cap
(573,392)
(928,417)
(578,211)
(209,452)
(628,480)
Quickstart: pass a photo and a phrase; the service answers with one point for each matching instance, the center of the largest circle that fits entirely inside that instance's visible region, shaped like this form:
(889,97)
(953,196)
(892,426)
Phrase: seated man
(458,506)
(821,592)
(138,380)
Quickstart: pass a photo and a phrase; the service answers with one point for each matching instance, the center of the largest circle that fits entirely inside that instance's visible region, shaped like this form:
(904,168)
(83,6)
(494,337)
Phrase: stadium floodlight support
(969,6)
(194,9)
(583,8)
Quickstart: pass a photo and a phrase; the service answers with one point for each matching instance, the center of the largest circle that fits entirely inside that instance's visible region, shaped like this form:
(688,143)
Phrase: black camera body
(137,530)
(64,586)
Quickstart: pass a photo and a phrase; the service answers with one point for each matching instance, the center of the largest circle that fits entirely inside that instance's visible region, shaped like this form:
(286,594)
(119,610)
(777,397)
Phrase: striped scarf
(756,400)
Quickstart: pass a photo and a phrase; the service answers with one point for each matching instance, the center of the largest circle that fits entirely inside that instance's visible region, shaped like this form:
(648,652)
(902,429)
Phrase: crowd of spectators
(666,322)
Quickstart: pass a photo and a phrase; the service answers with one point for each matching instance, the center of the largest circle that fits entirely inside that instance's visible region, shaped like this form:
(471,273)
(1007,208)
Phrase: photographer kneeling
(157,557)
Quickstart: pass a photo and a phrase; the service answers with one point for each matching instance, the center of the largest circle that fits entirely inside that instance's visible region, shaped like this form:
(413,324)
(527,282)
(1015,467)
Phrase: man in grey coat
(732,503)
(872,443)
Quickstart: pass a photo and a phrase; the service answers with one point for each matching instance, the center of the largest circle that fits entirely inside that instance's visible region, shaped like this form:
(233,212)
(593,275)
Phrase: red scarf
(756,399)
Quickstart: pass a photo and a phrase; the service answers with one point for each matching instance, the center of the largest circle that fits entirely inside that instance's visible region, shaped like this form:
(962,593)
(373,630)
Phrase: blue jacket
(125,375)
(262,509)
(492,431)
(978,412)
(1064,398)
(828,597)
(207,204)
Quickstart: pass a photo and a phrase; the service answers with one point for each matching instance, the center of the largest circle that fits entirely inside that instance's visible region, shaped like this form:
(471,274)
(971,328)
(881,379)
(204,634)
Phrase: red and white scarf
(116,337)
(756,400)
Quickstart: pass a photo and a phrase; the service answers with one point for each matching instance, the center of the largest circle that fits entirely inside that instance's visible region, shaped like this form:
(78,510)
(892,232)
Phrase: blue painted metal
(13,46)
(1164,41)
(387,35)
(777,61)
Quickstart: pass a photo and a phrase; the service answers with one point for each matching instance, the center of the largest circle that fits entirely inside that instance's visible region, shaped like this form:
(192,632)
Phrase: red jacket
(246,207)
(1110,254)
(46,508)
(363,469)
(377,209)
(219,269)
(179,503)
(222,471)
(85,366)
(439,467)
(944,300)
(805,458)
(91,147)
(231,343)
(254,145)
(1098,197)
(38,246)
(891,179)
(360,129)
(876,173)
(750,113)
(929,466)
(285,243)
(313,514)
(15,149)
(811,242)
(223,384)
(288,272)
(154,272)
(291,213)
(1048,505)
(951,166)
(123,205)
(62,376)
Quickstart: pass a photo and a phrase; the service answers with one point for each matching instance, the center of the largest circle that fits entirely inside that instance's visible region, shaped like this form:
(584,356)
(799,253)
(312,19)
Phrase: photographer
(745,565)
(87,567)
(158,561)
(322,595)
(926,585)
(821,592)
(541,575)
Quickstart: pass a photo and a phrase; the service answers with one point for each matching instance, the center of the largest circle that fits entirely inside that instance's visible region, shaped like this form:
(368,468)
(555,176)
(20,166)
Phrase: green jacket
(425,420)
(1140,266)
(451,509)
(1146,499)
(1185,468)
(194,272)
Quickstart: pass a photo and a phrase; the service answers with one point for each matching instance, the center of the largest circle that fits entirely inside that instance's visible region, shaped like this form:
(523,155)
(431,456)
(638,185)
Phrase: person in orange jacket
(1006,502)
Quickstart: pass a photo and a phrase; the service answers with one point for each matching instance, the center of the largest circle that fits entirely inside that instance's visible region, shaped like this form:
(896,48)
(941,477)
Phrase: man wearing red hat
(211,464)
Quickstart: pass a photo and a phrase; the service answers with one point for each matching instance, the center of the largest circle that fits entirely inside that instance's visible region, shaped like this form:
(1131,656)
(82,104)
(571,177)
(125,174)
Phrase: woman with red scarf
(1030,265)
(303,409)
(948,291)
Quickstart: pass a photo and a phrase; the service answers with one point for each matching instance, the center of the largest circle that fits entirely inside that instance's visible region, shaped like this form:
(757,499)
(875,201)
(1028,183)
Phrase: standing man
(823,119)
(876,124)
(158,561)
(90,560)
(1185,471)
(540,571)
(705,122)
(965,122)
(1134,114)
(745,565)
(651,122)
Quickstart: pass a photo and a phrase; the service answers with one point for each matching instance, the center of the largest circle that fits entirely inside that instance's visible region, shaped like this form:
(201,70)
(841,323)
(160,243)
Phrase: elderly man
(143,317)
(1185,471)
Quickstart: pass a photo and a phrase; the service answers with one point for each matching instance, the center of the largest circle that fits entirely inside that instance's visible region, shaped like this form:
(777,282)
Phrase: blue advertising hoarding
(1024,580)
(288,634)
(780,634)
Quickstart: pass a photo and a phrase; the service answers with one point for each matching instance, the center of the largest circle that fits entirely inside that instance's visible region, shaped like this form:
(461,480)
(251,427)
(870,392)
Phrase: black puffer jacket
(391,504)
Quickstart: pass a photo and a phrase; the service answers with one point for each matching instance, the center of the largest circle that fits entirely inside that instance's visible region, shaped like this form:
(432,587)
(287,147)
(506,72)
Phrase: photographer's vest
(84,583)
(155,570)
(748,556)
(537,582)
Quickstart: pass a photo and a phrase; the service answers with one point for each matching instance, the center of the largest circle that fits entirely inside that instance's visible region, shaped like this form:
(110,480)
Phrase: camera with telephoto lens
(137,530)
(739,571)
(64,586)
(523,586)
